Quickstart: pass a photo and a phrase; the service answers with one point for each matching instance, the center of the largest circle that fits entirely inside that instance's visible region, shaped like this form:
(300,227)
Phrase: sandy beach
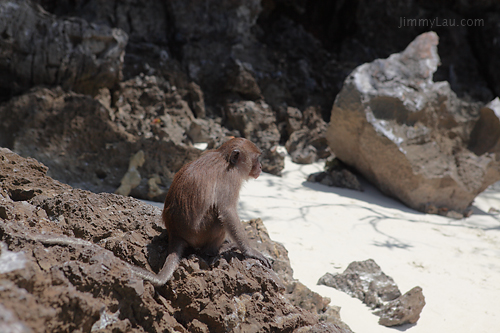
(456,262)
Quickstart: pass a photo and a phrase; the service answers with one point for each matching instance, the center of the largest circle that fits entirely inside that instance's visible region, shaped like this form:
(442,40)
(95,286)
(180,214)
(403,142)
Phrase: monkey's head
(243,155)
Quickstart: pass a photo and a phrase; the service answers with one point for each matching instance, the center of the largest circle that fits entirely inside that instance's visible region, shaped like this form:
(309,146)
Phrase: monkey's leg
(176,247)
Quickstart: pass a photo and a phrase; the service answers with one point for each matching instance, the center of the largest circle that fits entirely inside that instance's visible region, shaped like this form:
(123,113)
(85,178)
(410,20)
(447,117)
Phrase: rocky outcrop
(256,122)
(39,49)
(409,135)
(64,266)
(307,142)
(366,281)
(88,142)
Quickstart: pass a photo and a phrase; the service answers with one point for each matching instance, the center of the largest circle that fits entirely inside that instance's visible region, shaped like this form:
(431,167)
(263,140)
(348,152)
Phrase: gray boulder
(412,137)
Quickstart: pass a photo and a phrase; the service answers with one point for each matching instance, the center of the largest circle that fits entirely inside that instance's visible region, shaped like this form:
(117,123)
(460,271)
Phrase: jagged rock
(308,143)
(88,145)
(403,310)
(241,81)
(409,135)
(144,21)
(196,100)
(337,174)
(257,122)
(366,281)
(39,49)
(76,248)
(132,178)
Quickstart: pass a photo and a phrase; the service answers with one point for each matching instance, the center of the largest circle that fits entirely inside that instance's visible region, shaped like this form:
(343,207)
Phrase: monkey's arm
(231,222)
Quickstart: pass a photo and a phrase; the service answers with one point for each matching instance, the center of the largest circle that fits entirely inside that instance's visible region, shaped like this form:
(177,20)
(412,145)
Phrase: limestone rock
(73,249)
(403,310)
(366,281)
(307,142)
(39,49)
(257,122)
(88,145)
(409,135)
(337,174)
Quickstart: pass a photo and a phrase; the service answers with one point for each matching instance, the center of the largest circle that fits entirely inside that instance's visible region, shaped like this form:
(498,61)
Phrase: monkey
(200,208)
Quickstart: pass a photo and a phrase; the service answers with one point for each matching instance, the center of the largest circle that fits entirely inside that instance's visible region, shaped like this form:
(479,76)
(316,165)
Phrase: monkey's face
(256,167)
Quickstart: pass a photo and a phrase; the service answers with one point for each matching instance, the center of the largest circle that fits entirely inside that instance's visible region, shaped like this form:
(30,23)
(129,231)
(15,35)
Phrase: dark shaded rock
(196,100)
(241,81)
(37,48)
(257,122)
(366,281)
(144,21)
(73,249)
(487,48)
(409,135)
(403,310)
(337,174)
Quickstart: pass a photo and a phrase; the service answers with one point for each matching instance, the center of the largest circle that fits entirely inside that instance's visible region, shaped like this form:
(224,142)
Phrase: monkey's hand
(251,253)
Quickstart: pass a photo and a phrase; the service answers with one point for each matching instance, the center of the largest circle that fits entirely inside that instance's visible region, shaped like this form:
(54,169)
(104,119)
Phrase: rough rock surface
(37,48)
(65,253)
(337,174)
(409,135)
(307,142)
(88,142)
(256,122)
(366,281)
(403,310)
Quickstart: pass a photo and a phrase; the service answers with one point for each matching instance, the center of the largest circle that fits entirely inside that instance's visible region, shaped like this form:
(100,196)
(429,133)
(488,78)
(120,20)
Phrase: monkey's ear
(235,155)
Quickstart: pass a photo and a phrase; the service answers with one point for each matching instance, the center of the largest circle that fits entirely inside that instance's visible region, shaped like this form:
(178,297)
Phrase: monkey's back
(193,201)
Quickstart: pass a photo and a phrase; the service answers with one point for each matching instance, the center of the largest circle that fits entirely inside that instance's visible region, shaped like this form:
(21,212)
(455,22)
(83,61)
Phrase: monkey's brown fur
(201,205)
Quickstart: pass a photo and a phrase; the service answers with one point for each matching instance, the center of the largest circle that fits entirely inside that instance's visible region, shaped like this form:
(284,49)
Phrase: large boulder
(410,136)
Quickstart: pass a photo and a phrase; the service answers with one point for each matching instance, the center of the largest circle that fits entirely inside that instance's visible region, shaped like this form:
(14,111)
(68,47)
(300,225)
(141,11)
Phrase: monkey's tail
(176,249)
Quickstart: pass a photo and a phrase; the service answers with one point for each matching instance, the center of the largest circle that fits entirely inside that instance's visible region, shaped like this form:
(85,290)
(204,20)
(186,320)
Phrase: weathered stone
(337,174)
(257,122)
(365,281)
(144,21)
(409,135)
(89,145)
(403,310)
(76,248)
(307,144)
(39,49)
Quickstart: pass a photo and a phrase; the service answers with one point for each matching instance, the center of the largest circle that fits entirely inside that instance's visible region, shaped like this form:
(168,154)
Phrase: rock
(257,122)
(403,310)
(39,49)
(88,145)
(196,100)
(409,135)
(337,174)
(144,22)
(241,81)
(77,247)
(132,178)
(308,143)
(366,281)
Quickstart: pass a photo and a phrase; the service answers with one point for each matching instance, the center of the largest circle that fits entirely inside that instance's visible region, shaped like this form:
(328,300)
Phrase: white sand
(456,262)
